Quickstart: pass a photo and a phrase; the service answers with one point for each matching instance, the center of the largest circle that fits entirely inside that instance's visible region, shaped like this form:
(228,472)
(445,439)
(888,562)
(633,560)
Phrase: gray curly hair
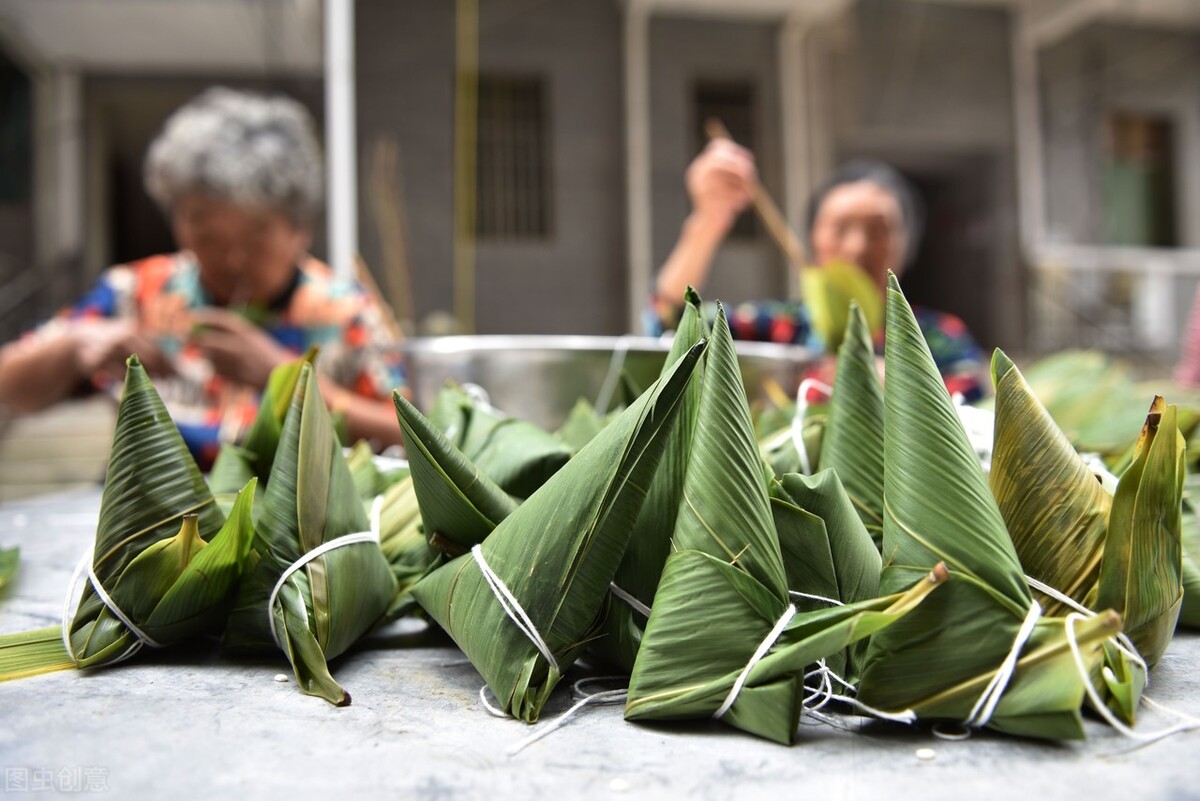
(239,147)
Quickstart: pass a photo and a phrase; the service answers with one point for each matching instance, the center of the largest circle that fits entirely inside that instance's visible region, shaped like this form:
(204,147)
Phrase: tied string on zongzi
(631,601)
(582,699)
(989,699)
(354,538)
(1189,723)
(982,712)
(141,637)
(1126,646)
(512,607)
(818,697)
(755,658)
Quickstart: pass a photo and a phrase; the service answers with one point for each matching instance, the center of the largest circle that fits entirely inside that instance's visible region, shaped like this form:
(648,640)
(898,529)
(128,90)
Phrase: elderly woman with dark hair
(239,176)
(865,214)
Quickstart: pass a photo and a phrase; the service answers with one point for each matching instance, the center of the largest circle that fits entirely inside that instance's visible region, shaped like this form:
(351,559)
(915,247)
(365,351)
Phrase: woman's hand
(237,348)
(721,182)
(102,346)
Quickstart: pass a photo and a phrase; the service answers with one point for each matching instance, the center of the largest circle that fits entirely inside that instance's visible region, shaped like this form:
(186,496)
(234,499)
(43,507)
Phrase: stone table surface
(192,723)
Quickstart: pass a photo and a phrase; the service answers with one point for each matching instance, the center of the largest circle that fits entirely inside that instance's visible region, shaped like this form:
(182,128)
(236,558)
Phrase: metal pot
(539,378)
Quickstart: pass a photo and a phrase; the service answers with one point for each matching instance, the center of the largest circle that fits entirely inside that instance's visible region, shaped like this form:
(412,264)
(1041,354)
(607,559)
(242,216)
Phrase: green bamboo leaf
(937,506)
(1054,508)
(517,455)
(557,554)
(1141,574)
(459,504)
(254,456)
(853,441)
(708,620)
(650,541)
(151,483)
(828,295)
(403,543)
(203,593)
(725,510)
(581,425)
(937,503)
(33,653)
(857,562)
(325,606)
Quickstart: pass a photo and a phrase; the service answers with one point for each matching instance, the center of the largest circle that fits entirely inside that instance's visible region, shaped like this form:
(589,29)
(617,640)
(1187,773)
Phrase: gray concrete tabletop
(189,722)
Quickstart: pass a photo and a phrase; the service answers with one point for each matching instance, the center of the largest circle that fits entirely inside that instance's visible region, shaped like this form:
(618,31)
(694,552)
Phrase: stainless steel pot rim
(482,343)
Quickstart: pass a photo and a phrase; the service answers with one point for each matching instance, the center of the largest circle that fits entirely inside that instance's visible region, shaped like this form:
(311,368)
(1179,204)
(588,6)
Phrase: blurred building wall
(573,278)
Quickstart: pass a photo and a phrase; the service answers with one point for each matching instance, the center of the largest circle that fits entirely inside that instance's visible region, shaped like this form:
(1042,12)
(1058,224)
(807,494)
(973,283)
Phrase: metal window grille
(512,167)
(733,103)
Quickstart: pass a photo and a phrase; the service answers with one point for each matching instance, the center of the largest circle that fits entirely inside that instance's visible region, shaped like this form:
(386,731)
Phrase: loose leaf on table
(459,504)
(556,555)
(853,441)
(938,660)
(9,559)
(329,602)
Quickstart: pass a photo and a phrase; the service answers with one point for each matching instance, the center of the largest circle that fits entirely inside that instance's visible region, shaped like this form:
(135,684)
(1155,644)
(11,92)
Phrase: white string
(320,550)
(601,697)
(609,385)
(986,704)
(494,711)
(759,653)
(798,419)
(141,637)
(1121,640)
(821,598)
(981,713)
(1102,708)
(826,693)
(629,599)
(482,399)
(512,607)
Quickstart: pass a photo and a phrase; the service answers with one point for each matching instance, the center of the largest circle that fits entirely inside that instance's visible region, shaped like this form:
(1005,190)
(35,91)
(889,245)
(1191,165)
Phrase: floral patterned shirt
(954,350)
(356,350)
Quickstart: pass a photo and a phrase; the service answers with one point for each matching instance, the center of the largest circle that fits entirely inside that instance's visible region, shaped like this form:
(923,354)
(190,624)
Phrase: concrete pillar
(637,159)
(59,183)
(341,151)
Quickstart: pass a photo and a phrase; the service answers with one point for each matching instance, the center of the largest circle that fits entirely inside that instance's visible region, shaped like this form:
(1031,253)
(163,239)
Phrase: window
(512,167)
(1138,181)
(16,139)
(731,102)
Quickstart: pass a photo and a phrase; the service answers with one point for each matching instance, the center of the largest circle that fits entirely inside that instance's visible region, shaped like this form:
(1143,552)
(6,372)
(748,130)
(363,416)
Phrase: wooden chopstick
(777,226)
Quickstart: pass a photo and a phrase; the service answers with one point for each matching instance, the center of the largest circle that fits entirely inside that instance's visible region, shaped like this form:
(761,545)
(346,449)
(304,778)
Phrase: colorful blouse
(356,350)
(955,352)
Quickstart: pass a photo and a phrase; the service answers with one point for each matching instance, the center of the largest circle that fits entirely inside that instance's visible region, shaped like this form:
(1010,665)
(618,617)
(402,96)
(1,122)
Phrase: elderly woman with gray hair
(865,214)
(239,176)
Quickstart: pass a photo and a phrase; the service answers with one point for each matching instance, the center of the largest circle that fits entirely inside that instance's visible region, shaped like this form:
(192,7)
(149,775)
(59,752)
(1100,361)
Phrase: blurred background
(516,166)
